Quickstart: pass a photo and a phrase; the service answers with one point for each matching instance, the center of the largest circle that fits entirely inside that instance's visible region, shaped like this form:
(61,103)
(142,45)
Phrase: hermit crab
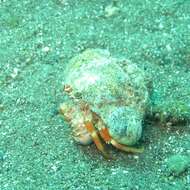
(105,100)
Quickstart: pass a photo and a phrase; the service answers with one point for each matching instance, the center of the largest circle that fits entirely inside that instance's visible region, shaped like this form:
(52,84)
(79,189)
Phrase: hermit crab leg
(108,139)
(126,148)
(89,126)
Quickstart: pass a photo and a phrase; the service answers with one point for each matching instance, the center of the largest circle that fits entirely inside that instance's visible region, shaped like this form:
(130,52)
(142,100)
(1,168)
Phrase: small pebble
(176,164)
(14,73)
(46,49)
(111,10)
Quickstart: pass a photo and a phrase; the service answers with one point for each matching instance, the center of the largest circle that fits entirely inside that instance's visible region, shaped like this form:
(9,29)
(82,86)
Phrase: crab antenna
(89,126)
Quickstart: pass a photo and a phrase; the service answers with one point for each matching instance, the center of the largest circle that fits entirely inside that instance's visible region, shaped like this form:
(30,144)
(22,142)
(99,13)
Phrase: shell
(114,89)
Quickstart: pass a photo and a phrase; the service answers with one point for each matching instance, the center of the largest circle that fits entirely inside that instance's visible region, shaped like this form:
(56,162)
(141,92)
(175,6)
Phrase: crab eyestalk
(67,88)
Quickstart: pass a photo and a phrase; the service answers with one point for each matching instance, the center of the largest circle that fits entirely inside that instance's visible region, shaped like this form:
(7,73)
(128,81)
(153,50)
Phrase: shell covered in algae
(115,90)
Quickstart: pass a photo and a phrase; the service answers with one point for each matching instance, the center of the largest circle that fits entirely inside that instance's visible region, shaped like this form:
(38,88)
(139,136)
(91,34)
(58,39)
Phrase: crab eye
(78,95)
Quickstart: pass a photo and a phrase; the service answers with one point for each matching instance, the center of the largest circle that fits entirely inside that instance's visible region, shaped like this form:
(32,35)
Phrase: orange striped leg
(108,139)
(89,126)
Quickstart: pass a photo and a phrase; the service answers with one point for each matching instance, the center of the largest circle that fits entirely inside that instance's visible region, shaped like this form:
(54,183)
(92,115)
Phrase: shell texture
(114,89)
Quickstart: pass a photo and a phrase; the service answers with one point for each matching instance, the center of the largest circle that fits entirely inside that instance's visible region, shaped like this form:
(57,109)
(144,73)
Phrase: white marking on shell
(86,80)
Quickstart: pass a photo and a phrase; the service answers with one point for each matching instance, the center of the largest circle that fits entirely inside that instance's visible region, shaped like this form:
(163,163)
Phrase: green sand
(37,39)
